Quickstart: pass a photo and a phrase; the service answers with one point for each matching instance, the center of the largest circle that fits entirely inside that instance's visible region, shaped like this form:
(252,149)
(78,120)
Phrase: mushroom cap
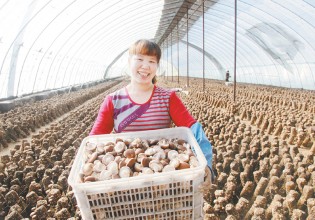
(125,172)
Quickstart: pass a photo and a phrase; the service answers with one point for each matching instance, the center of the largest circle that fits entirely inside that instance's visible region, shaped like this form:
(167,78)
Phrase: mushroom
(156,166)
(113,167)
(125,172)
(99,166)
(119,147)
(174,163)
(150,151)
(129,153)
(107,158)
(88,169)
(138,167)
(164,143)
(147,170)
(172,154)
(130,162)
(183,165)
(90,146)
(106,175)
(183,157)
(168,168)
(100,148)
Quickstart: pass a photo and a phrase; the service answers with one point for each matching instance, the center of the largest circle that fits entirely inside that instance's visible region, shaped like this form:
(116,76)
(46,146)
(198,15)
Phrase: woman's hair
(146,47)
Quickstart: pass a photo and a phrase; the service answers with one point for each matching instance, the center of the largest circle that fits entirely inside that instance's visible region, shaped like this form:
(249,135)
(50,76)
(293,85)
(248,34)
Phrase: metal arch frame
(250,50)
(113,62)
(175,16)
(62,31)
(98,42)
(229,45)
(208,55)
(74,43)
(69,49)
(19,33)
(309,44)
(266,12)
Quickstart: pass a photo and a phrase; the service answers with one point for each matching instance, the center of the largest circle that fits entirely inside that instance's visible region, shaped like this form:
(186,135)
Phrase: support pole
(203,46)
(187,49)
(235,35)
(177,54)
(172,53)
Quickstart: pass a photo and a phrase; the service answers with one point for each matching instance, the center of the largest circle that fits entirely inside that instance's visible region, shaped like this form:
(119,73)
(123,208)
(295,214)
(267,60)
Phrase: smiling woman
(142,105)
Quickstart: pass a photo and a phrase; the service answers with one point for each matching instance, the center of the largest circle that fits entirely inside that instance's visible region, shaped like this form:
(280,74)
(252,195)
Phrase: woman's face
(143,68)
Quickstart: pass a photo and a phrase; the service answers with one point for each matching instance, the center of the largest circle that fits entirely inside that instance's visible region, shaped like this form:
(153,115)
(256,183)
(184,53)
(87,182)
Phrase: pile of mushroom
(132,157)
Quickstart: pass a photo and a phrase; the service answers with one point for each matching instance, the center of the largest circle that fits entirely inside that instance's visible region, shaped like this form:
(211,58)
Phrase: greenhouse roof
(51,44)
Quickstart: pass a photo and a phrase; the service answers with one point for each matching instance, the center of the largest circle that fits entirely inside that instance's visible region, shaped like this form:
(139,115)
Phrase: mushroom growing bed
(263,145)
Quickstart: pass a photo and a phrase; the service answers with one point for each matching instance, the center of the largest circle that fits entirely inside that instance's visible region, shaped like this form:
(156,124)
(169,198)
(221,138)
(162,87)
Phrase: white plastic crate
(168,195)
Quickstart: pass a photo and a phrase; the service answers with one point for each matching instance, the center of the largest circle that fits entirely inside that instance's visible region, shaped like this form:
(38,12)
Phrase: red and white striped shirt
(120,113)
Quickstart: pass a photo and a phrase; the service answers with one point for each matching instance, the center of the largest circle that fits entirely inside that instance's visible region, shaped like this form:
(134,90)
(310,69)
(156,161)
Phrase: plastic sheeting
(274,43)
(47,44)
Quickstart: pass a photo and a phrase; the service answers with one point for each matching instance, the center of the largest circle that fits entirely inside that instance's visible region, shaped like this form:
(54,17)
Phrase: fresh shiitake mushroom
(156,166)
(136,143)
(90,146)
(109,148)
(145,161)
(100,148)
(181,142)
(88,169)
(183,165)
(113,167)
(98,166)
(130,162)
(106,175)
(140,156)
(119,147)
(90,179)
(174,162)
(183,157)
(147,170)
(172,154)
(93,157)
(168,168)
(130,153)
(150,151)
(107,158)
(125,172)
(138,167)
(164,143)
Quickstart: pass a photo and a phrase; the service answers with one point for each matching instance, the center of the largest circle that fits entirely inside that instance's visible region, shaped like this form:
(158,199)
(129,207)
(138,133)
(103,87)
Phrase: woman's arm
(181,117)
(179,113)
(104,122)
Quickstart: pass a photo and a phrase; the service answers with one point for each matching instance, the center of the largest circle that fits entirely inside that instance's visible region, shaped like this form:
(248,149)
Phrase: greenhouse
(86,84)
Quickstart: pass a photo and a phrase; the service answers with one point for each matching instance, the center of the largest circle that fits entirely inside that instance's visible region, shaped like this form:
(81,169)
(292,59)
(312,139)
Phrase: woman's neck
(140,94)
(136,88)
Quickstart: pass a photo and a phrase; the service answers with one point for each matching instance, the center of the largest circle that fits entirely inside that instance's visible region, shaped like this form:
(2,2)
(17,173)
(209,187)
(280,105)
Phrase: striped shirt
(120,113)
(154,115)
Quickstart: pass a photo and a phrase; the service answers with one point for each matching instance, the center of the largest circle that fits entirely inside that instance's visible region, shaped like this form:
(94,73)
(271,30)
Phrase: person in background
(227,76)
(142,105)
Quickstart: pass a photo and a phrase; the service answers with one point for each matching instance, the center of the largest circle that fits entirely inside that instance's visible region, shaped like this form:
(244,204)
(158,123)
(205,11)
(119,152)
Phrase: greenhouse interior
(212,118)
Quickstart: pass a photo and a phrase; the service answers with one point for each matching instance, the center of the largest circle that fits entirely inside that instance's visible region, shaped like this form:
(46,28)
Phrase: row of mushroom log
(263,151)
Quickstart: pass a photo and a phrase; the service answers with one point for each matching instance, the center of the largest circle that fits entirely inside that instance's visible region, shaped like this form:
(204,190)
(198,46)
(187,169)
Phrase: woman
(142,105)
